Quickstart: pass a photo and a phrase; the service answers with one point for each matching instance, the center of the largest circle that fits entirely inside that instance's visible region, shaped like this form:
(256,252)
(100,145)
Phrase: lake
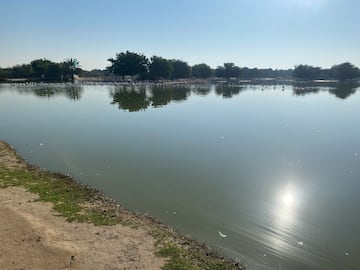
(267,174)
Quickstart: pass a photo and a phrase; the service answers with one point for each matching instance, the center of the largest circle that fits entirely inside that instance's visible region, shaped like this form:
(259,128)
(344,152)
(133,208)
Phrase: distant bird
(222,235)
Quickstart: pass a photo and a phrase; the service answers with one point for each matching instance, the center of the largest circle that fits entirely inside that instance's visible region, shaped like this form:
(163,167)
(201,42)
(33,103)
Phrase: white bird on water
(222,235)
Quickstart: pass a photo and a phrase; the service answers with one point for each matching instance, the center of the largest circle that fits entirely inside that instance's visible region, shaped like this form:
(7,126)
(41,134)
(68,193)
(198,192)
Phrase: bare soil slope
(34,237)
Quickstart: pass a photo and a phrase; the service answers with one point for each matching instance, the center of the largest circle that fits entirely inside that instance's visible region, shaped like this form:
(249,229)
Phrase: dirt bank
(35,237)
(36,207)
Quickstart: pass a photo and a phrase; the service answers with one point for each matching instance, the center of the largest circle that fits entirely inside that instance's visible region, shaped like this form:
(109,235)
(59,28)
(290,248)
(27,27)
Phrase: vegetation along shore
(131,66)
(51,221)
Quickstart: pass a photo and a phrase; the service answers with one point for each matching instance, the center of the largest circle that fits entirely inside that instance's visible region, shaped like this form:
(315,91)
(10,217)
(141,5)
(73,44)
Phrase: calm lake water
(276,170)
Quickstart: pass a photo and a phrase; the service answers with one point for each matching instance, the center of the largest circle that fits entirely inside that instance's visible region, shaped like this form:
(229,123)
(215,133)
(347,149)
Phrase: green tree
(40,67)
(250,73)
(70,68)
(201,71)
(220,72)
(72,63)
(55,71)
(94,73)
(22,71)
(48,70)
(44,69)
(160,68)
(129,63)
(229,70)
(305,72)
(345,71)
(181,69)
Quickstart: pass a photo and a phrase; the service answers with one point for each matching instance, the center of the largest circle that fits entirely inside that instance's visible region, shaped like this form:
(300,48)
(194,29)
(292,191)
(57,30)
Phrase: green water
(275,169)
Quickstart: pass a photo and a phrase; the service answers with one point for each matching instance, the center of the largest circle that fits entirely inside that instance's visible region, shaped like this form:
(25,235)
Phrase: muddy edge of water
(9,159)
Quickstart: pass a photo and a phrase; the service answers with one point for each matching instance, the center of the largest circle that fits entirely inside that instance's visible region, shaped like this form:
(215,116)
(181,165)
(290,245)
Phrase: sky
(252,33)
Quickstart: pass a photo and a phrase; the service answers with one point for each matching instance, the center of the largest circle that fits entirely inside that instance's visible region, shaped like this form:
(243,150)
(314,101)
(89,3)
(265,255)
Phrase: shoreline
(83,206)
(190,82)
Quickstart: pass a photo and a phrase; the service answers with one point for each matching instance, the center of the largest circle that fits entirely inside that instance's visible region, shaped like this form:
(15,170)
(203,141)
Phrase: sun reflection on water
(286,206)
(288,199)
(285,217)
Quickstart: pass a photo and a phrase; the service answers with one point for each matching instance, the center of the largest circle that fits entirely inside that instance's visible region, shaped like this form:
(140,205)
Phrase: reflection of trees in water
(228,91)
(44,92)
(161,96)
(130,98)
(180,93)
(72,92)
(302,91)
(202,90)
(343,91)
(138,98)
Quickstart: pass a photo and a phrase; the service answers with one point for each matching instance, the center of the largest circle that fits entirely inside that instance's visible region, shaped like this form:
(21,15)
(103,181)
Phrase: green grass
(180,258)
(69,197)
(66,195)
(177,259)
(187,257)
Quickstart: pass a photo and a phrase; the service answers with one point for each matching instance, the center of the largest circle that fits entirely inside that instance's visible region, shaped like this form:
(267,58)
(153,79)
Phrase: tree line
(138,67)
(158,68)
(44,70)
(342,72)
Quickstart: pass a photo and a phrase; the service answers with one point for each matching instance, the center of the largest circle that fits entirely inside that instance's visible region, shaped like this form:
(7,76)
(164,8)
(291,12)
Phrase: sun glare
(288,199)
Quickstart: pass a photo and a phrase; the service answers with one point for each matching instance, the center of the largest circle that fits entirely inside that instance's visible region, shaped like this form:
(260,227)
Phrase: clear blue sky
(253,33)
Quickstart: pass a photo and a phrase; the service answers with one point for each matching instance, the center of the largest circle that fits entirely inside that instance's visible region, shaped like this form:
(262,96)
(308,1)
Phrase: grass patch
(74,202)
(177,259)
(189,256)
(65,194)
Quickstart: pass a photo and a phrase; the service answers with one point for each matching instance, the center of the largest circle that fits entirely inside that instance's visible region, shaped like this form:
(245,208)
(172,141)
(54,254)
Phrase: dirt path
(21,245)
(34,237)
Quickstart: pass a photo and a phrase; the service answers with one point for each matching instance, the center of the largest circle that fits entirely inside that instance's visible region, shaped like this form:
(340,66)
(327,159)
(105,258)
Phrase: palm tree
(70,66)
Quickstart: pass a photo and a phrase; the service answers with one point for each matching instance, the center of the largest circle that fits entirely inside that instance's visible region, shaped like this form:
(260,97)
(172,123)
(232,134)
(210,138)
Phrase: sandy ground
(8,159)
(33,237)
